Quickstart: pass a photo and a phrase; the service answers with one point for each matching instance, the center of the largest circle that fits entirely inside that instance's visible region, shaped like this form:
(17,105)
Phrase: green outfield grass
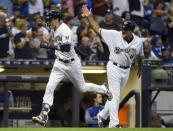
(85,129)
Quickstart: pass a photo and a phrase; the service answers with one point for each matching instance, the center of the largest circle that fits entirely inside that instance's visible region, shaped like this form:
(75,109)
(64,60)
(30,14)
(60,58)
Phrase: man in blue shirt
(10,96)
(157,46)
(91,112)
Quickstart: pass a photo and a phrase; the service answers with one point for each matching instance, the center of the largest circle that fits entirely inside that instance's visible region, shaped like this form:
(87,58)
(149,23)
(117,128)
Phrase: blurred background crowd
(23,28)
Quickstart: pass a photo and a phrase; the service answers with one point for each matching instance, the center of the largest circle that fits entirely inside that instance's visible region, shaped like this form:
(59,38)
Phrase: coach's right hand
(85,11)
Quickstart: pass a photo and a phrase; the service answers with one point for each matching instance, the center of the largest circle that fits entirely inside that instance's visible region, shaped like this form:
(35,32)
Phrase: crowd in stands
(23,27)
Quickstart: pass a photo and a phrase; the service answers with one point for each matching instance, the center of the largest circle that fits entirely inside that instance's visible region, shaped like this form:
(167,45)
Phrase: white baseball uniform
(71,70)
(122,53)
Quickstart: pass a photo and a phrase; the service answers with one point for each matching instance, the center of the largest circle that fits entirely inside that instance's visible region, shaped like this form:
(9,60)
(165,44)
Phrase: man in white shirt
(124,46)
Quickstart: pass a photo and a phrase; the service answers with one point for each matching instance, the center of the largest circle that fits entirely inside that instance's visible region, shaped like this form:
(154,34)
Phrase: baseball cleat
(117,126)
(41,119)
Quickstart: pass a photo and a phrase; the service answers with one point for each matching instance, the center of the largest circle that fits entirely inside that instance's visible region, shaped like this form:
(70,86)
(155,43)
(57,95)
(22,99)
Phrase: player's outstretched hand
(85,11)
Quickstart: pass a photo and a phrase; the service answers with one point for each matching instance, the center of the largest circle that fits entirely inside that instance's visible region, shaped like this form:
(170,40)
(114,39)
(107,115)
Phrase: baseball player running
(67,64)
(124,46)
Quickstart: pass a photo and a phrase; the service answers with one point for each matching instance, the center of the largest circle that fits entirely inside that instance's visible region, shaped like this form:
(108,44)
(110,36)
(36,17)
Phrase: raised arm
(94,24)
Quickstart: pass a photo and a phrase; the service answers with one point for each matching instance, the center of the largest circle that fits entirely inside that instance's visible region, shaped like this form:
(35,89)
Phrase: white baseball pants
(117,79)
(74,73)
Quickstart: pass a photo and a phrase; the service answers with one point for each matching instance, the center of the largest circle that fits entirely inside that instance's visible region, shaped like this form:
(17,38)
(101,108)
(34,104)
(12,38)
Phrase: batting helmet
(128,25)
(52,14)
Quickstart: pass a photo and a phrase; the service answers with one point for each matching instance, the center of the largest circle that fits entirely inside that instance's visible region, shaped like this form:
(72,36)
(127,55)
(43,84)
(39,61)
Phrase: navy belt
(124,67)
(66,61)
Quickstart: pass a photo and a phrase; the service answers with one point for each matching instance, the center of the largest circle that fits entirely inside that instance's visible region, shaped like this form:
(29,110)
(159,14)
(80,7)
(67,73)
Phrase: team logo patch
(130,51)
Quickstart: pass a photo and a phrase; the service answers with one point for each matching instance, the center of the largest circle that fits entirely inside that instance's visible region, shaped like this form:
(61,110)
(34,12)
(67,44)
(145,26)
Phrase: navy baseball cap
(155,38)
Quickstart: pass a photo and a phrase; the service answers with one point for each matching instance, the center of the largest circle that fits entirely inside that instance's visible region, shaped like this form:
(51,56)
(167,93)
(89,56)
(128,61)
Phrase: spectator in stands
(157,47)
(36,6)
(3,9)
(23,5)
(149,10)
(96,46)
(4,37)
(32,19)
(99,8)
(22,39)
(83,29)
(136,7)
(166,56)
(109,22)
(16,12)
(155,12)
(69,5)
(39,23)
(37,39)
(16,26)
(9,5)
(47,4)
(10,96)
(85,49)
(157,19)
(170,26)
(77,6)
(126,15)
(91,112)
(147,50)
